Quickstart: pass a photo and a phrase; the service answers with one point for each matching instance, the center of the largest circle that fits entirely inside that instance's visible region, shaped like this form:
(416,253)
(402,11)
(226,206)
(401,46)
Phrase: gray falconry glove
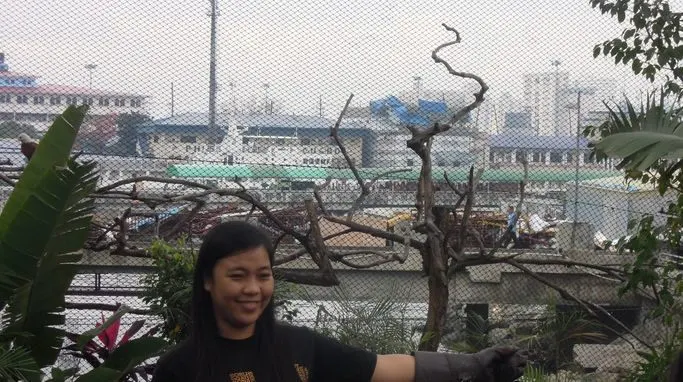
(494,364)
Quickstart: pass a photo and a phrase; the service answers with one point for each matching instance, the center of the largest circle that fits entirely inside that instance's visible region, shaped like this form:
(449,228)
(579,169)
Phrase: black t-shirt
(316,359)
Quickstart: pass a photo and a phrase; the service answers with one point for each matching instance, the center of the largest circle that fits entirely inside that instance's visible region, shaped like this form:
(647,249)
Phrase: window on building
(555,157)
(119,102)
(103,101)
(537,157)
(410,162)
(155,139)
(22,99)
(188,148)
(38,100)
(188,139)
(87,101)
(55,100)
(520,156)
(134,103)
(570,157)
(4,98)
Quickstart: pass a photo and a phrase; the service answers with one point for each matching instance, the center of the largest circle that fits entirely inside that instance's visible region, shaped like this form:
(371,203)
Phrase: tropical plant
(552,339)
(96,353)
(169,290)
(648,143)
(43,226)
(650,43)
(651,136)
(379,325)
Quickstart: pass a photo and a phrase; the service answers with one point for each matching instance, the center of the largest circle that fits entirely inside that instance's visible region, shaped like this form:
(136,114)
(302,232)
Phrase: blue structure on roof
(434,107)
(399,113)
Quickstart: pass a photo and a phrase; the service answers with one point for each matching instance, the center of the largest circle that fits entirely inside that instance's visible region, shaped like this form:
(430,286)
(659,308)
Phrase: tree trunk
(437,282)
(436,312)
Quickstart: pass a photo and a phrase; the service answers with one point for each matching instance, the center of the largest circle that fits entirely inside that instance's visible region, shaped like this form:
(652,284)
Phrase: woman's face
(241,287)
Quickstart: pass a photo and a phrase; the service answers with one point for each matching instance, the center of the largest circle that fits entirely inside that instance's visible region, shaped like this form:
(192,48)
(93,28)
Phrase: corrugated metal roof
(65,90)
(187,119)
(524,141)
(292,121)
(319,173)
(252,121)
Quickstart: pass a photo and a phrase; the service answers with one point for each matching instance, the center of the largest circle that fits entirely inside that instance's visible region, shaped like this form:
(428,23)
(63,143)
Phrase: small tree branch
(356,227)
(365,191)
(589,307)
(181,222)
(319,252)
(334,133)
(7,180)
(437,128)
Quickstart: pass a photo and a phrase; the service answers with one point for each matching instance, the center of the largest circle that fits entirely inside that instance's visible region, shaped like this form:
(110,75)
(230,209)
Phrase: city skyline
(367,48)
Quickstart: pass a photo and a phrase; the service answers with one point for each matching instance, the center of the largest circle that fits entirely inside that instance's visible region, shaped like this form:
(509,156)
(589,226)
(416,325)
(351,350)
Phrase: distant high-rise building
(546,96)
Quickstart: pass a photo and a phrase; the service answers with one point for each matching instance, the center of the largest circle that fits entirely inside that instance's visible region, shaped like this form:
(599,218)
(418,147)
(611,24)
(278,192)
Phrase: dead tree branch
(587,306)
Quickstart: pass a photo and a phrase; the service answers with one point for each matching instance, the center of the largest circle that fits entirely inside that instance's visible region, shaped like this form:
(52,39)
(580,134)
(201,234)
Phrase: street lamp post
(212,72)
(266,86)
(90,68)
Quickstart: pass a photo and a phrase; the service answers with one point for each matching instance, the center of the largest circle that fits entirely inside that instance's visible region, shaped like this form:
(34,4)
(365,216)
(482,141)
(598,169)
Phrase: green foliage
(650,136)
(378,325)
(127,124)
(17,364)
(648,143)
(43,226)
(12,129)
(651,41)
(169,290)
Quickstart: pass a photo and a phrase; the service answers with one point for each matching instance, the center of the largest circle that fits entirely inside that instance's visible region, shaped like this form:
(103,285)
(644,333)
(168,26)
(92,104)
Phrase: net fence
(203,112)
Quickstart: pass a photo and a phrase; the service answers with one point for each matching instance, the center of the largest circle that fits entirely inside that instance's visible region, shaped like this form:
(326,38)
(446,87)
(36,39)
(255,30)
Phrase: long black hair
(227,239)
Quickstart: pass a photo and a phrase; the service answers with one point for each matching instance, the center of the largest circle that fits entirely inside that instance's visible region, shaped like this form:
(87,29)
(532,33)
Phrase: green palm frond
(17,365)
(641,138)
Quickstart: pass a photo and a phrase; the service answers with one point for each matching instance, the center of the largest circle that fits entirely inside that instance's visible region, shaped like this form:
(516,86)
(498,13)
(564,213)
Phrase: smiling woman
(235,336)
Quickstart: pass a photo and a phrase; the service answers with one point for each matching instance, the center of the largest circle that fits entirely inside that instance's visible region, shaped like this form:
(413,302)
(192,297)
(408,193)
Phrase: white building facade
(24,100)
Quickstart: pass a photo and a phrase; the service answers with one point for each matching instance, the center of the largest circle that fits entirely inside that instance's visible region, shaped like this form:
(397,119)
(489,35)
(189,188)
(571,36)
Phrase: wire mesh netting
(339,123)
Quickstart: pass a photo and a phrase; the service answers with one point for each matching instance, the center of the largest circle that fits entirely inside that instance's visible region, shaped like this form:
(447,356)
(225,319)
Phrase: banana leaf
(42,227)
(125,358)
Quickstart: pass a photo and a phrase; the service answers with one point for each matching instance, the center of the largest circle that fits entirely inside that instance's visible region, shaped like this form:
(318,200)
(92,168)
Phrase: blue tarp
(433,106)
(398,112)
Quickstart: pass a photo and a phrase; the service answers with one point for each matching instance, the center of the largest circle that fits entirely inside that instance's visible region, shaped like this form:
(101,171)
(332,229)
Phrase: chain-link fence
(202,112)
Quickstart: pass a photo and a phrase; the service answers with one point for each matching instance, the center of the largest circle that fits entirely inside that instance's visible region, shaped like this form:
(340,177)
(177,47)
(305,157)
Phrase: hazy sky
(302,48)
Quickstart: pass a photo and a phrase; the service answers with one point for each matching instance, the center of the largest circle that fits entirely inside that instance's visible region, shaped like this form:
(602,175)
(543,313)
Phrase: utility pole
(213,133)
(172,101)
(266,86)
(418,87)
(90,68)
(556,103)
(579,91)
